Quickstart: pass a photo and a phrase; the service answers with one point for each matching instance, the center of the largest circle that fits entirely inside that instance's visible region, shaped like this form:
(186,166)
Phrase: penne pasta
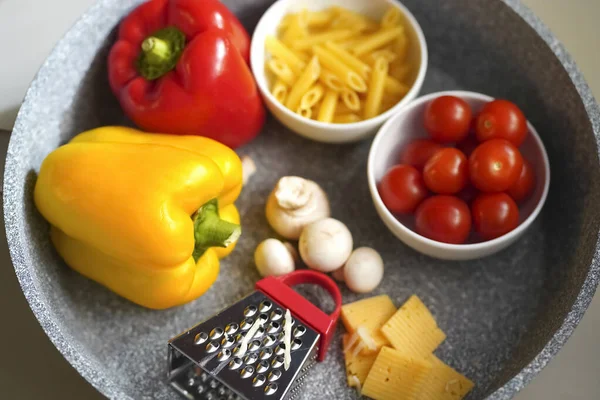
(282,52)
(400,47)
(346,118)
(376,40)
(318,19)
(399,71)
(394,86)
(350,99)
(328,106)
(338,66)
(331,80)
(304,112)
(313,40)
(296,29)
(351,61)
(345,73)
(282,71)
(391,18)
(308,77)
(280,91)
(376,88)
(312,96)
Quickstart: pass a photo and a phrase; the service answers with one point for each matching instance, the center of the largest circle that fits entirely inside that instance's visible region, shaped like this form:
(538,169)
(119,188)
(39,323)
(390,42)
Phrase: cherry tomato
(444,218)
(468,145)
(522,188)
(494,214)
(447,119)
(402,189)
(417,152)
(495,165)
(501,119)
(447,172)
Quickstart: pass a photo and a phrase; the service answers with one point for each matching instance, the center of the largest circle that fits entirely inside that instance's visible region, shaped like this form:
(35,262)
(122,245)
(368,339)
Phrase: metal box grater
(205,362)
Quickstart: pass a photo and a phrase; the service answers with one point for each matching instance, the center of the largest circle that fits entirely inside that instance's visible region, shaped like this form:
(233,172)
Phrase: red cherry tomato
(501,119)
(444,218)
(417,152)
(495,165)
(402,189)
(523,187)
(494,214)
(446,172)
(468,145)
(447,119)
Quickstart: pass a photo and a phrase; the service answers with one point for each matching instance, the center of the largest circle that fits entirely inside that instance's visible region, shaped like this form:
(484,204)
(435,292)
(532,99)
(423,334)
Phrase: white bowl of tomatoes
(458,175)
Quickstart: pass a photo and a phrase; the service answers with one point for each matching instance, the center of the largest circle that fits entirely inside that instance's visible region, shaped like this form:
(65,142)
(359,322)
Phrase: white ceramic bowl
(326,132)
(408,125)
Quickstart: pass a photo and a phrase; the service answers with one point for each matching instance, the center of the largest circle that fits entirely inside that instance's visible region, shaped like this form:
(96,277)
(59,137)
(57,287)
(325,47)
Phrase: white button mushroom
(363,270)
(294,203)
(325,245)
(274,258)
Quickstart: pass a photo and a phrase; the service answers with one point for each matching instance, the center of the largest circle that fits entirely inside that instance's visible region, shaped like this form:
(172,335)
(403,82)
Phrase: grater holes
(270,389)
(280,349)
(200,389)
(259,332)
(258,380)
(277,314)
(212,346)
(254,345)
(266,354)
(227,341)
(204,377)
(212,395)
(269,340)
(281,336)
(247,324)
(264,318)
(274,375)
(247,371)
(239,337)
(274,326)
(277,362)
(299,331)
(201,338)
(251,358)
(213,384)
(216,333)
(232,328)
(191,382)
(262,367)
(235,363)
(265,306)
(224,355)
(222,391)
(250,311)
(236,350)
(296,343)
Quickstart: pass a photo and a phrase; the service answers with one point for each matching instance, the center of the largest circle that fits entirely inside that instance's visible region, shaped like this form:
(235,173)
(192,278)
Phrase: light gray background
(31,367)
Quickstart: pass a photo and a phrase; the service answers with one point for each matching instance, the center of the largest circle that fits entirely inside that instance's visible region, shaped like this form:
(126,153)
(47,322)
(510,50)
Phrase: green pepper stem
(212,231)
(157,51)
(160,52)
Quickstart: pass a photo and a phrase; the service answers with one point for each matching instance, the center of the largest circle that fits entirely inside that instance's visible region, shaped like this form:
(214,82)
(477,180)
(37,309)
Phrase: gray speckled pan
(506,316)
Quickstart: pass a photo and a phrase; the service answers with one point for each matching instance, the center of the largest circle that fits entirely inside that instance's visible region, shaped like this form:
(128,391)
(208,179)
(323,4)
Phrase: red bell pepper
(181,67)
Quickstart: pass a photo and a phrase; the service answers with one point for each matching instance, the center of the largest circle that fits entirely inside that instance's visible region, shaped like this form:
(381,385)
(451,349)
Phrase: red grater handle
(279,289)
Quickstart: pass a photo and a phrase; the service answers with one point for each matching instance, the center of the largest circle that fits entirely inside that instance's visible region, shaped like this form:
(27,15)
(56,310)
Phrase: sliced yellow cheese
(371,314)
(396,376)
(445,383)
(357,365)
(413,330)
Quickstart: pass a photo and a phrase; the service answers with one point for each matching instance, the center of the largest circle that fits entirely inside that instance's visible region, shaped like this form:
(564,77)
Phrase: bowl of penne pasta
(335,70)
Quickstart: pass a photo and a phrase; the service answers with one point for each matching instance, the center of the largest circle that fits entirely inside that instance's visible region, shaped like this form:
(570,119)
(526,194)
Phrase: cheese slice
(444,383)
(357,365)
(413,330)
(371,314)
(396,376)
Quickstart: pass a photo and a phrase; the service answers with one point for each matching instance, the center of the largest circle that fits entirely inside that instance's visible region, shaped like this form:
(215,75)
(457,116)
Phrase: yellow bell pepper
(146,215)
